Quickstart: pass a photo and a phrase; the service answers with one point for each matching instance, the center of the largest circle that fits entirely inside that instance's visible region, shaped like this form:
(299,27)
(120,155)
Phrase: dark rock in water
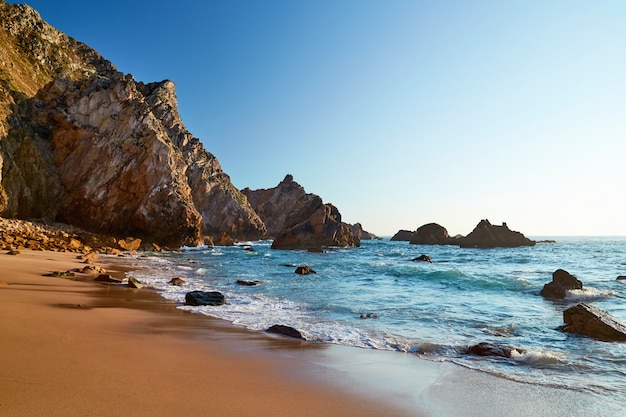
(304,270)
(177,281)
(621,278)
(402,236)
(316,250)
(561,282)
(485,235)
(107,278)
(248,283)
(491,349)
(285,331)
(204,298)
(248,248)
(590,321)
(432,234)
(423,258)
(368,316)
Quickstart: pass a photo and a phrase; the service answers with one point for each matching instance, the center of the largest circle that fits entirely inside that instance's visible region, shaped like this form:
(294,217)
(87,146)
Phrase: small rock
(248,283)
(107,278)
(177,281)
(285,331)
(134,283)
(14,252)
(368,316)
(304,270)
(491,349)
(621,278)
(423,258)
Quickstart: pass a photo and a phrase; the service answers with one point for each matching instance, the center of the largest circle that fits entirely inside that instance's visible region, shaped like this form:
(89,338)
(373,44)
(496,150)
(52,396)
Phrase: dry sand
(73,348)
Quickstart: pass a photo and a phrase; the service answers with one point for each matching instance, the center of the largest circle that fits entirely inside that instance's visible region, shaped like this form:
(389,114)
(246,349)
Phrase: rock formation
(562,281)
(590,321)
(402,236)
(86,144)
(357,230)
(299,220)
(323,228)
(486,235)
(432,234)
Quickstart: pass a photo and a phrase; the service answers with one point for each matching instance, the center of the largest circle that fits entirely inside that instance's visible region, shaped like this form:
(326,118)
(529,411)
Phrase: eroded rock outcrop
(486,235)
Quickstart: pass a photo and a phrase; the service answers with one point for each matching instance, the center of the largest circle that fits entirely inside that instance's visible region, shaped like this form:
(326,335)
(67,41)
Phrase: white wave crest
(588,294)
(535,357)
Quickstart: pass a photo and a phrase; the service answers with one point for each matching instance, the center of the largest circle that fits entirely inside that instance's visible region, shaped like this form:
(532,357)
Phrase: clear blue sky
(398,112)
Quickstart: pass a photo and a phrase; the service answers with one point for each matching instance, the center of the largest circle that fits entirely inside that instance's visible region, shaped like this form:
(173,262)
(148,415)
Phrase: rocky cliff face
(84,143)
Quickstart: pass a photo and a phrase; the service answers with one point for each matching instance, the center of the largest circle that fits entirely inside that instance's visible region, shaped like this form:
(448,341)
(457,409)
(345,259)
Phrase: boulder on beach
(485,235)
(204,298)
(590,321)
(562,281)
(134,283)
(285,331)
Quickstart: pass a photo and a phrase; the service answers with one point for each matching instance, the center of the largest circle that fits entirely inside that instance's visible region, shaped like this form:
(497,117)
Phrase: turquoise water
(433,310)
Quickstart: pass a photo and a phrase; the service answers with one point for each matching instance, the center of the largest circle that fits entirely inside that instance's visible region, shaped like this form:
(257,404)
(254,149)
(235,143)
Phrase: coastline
(79,348)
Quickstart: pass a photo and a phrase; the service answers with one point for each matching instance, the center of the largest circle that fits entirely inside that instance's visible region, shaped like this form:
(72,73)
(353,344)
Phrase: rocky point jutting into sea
(87,145)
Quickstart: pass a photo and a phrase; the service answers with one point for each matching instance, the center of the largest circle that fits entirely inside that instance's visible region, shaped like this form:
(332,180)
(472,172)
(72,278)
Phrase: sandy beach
(74,348)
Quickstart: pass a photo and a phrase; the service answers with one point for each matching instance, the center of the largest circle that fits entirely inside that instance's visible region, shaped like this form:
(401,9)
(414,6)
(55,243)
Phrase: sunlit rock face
(86,144)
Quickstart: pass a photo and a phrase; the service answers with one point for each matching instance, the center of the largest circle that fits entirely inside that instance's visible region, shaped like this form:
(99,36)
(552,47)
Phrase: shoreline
(79,348)
(73,347)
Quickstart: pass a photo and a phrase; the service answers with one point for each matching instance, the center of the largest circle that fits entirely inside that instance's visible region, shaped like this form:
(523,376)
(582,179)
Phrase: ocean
(431,310)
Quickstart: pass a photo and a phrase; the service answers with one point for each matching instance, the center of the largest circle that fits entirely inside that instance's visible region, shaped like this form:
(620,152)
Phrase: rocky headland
(87,145)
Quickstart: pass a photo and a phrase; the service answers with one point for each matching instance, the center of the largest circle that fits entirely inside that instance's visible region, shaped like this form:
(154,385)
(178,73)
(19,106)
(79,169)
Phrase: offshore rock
(486,235)
(423,258)
(299,220)
(357,230)
(283,206)
(323,228)
(432,234)
(304,270)
(590,321)
(562,281)
(402,236)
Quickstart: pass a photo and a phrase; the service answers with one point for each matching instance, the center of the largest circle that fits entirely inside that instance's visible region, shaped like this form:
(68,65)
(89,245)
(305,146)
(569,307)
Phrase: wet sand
(74,348)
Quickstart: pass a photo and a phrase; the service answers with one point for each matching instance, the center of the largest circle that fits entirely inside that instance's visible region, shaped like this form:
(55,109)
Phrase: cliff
(83,143)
